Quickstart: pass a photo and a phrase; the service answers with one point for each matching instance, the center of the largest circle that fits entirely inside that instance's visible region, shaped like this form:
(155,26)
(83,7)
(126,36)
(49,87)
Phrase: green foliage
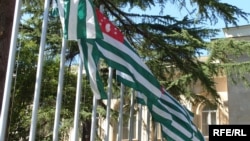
(171,48)
(214,9)
(26,67)
(233,56)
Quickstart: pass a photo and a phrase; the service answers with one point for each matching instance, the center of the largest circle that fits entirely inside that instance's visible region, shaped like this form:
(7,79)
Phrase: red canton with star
(108,28)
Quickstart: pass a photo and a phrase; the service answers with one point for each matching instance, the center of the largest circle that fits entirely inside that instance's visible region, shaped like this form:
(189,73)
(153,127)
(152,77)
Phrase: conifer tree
(171,47)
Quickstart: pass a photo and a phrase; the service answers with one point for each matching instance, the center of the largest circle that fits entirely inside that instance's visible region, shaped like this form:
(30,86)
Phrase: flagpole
(120,125)
(139,122)
(131,116)
(156,131)
(109,93)
(78,101)
(39,72)
(109,102)
(10,69)
(93,120)
(148,124)
(59,90)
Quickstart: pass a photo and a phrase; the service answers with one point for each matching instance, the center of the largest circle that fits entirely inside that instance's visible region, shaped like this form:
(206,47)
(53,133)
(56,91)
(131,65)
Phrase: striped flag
(119,54)
(78,19)
(175,120)
(182,125)
(126,79)
(91,58)
(79,22)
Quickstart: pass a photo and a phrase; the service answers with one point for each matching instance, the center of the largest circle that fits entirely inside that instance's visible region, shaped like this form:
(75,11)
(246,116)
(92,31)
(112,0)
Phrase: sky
(242,4)
(173,11)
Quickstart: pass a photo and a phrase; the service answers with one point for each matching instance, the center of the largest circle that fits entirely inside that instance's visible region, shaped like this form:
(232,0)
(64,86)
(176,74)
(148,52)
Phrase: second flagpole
(39,72)
(59,91)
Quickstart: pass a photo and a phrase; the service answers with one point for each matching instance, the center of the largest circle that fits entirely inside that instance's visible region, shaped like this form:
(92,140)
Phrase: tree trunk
(6,20)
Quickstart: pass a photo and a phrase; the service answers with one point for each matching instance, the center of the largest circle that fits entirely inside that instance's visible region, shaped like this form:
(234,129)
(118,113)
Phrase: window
(208,118)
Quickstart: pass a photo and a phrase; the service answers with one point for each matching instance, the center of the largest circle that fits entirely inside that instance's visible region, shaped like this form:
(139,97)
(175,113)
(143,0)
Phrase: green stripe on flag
(173,127)
(116,63)
(141,98)
(91,58)
(66,10)
(126,53)
(78,19)
(54,12)
(82,21)
(132,65)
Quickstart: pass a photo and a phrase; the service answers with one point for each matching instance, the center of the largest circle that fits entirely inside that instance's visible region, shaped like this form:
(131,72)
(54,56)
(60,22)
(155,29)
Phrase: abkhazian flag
(118,53)
(79,23)
(175,120)
(78,19)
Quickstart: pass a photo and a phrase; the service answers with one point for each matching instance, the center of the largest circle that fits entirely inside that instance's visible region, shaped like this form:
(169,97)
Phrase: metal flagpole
(94,108)
(156,131)
(59,90)
(139,122)
(148,124)
(109,95)
(109,102)
(93,120)
(78,100)
(131,116)
(10,69)
(39,72)
(120,125)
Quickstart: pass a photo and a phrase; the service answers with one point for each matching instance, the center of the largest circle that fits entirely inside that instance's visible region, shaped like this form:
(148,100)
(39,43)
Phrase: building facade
(239,95)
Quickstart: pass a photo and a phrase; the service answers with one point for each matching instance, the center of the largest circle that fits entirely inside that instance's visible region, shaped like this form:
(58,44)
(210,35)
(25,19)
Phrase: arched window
(208,118)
